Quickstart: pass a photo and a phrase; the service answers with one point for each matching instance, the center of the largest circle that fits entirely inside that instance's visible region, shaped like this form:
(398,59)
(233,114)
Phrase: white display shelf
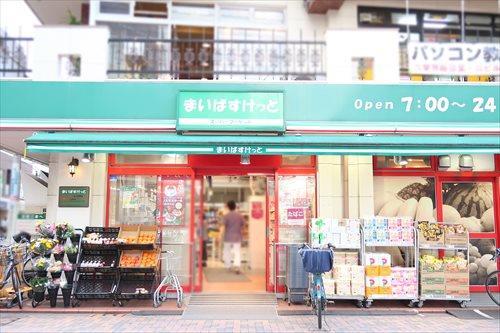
(442,247)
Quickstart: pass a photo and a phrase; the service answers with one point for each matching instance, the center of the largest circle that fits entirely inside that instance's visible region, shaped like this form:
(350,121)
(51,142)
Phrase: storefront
(162,141)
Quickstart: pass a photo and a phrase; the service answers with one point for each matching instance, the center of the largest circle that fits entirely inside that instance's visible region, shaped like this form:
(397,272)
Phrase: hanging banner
(173,201)
(454,58)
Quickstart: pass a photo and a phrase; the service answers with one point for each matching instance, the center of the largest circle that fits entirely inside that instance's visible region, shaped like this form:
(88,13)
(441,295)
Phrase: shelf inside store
(442,247)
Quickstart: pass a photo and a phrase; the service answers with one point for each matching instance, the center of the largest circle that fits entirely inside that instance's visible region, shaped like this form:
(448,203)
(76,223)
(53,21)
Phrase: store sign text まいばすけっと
(244,150)
(74,196)
(230,111)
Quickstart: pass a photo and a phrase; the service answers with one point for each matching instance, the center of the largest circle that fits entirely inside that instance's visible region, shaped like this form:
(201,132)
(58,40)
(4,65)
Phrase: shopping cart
(170,282)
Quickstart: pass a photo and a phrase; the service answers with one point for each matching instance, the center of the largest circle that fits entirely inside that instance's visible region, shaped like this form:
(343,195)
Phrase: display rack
(96,282)
(360,252)
(461,300)
(411,260)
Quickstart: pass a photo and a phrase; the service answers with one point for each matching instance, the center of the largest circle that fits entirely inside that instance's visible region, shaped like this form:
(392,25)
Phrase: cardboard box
(358,272)
(462,291)
(369,291)
(385,290)
(439,241)
(432,278)
(342,273)
(357,289)
(371,270)
(432,289)
(339,258)
(351,258)
(384,271)
(371,281)
(457,279)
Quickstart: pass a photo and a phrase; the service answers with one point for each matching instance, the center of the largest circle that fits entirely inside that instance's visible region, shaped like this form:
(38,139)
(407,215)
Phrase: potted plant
(41,265)
(39,284)
(43,246)
(53,290)
(72,252)
(64,231)
(69,273)
(58,252)
(55,270)
(45,229)
(66,292)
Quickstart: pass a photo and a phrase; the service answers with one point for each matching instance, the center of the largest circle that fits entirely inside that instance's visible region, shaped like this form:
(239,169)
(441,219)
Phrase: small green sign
(31,216)
(74,196)
(230,111)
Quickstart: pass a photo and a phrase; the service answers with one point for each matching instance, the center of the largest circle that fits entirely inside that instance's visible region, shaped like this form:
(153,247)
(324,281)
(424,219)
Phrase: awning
(170,143)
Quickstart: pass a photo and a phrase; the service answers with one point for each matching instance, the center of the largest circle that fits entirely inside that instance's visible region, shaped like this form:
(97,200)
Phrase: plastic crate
(97,286)
(296,276)
(108,257)
(129,283)
(106,232)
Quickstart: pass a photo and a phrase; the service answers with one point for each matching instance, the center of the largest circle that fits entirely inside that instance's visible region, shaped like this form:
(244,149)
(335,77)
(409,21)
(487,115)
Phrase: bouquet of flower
(56,267)
(58,249)
(42,245)
(67,267)
(64,230)
(71,249)
(45,229)
(41,264)
(39,283)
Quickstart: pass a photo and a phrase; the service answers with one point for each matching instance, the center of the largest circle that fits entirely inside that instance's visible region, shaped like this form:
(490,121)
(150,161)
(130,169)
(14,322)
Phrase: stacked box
(385,286)
(338,258)
(342,273)
(357,280)
(431,234)
(432,281)
(404,281)
(329,284)
(455,235)
(380,231)
(371,285)
(343,288)
(456,277)
(351,258)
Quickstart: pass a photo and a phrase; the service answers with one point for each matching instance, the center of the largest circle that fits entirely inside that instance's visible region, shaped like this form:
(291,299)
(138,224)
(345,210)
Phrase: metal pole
(462,19)
(408,21)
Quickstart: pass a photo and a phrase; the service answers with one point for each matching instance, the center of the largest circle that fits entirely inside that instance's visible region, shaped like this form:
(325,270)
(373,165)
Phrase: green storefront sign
(234,111)
(74,196)
(31,216)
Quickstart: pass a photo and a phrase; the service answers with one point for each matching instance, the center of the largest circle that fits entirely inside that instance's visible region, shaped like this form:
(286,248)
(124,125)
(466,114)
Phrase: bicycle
(317,262)
(11,273)
(492,279)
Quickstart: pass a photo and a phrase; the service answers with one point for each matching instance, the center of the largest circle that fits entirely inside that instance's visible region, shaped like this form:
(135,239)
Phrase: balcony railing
(216,59)
(14,56)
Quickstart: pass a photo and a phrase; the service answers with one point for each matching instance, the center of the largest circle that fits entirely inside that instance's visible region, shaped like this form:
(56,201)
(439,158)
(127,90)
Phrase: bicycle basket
(316,261)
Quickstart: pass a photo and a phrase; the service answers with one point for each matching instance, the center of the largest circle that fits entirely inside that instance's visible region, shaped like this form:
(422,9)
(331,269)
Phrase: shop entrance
(234,266)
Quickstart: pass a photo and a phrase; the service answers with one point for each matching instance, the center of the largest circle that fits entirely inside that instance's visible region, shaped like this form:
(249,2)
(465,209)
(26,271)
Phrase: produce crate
(129,283)
(432,277)
(108,257)
(149,258)
(148,234)
(129,233)
(106,232)
(91,286)
(456,235)
(433,238)
(130,259)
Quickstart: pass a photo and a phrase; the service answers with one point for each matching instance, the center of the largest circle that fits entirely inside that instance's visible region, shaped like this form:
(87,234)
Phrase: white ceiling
(55,11)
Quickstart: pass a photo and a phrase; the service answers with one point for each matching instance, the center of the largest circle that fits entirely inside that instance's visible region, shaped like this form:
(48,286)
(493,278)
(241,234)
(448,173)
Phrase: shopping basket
(317,261)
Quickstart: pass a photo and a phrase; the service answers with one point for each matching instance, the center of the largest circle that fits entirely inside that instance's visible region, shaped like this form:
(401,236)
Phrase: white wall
(329,187)
(380,44)
(256,234)
(87,174)
(51,42)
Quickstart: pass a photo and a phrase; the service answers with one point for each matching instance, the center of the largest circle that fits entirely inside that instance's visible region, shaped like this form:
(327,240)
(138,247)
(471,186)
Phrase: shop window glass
(132,200)
(389,162)
(303,160)
(470,204)
(296,207)
(482,162)
(405,196)
(111,7)
(403,19)
(152,159)
(373,17)
(481,251)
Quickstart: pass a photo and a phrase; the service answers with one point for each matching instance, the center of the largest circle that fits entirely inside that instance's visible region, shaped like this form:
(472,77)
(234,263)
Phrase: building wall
(87,174)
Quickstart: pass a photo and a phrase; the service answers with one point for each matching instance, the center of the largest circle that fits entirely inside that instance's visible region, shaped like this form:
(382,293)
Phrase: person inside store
(233,224)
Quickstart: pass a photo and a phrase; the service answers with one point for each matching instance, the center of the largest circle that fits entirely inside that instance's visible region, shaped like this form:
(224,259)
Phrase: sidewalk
(84,322)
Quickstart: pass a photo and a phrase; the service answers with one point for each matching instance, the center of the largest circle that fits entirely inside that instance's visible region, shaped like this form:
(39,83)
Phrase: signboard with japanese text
(230,111)
(454,58)
(31,216)
(74,196)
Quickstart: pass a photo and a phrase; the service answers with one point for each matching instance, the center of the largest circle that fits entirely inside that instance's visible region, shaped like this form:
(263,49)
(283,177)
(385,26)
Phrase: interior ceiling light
(88,157)
(245,160)
(400,160)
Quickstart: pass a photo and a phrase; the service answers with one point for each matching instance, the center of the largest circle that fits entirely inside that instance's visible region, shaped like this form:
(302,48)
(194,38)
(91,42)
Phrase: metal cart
(360,250)
(296,279)
(411,260)
(461,300)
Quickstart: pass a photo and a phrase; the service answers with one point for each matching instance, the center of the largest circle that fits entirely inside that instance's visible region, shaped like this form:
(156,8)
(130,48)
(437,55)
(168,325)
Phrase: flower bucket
(59,257)
(69,276)
(39,295)
(66,292)
(55,275)
(53,290)
(47,255)
(41,273)
(72,257)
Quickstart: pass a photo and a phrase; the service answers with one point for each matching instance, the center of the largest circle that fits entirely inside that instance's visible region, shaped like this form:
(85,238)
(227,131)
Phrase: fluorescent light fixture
(434,25)
(245,160)
(87,157)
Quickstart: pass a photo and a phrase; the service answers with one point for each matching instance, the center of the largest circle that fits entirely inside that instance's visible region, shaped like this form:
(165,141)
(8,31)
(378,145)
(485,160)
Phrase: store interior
(249,194)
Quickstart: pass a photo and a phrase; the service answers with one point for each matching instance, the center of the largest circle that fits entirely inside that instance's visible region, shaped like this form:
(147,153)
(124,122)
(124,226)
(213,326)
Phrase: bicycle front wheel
(29,271)
(491,281)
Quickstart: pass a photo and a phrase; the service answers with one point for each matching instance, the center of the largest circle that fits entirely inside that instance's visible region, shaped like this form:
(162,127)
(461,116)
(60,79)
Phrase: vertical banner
(173,201)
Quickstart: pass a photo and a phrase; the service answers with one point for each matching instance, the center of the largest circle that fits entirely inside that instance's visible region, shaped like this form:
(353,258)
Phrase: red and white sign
(295,216)
(454,58)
